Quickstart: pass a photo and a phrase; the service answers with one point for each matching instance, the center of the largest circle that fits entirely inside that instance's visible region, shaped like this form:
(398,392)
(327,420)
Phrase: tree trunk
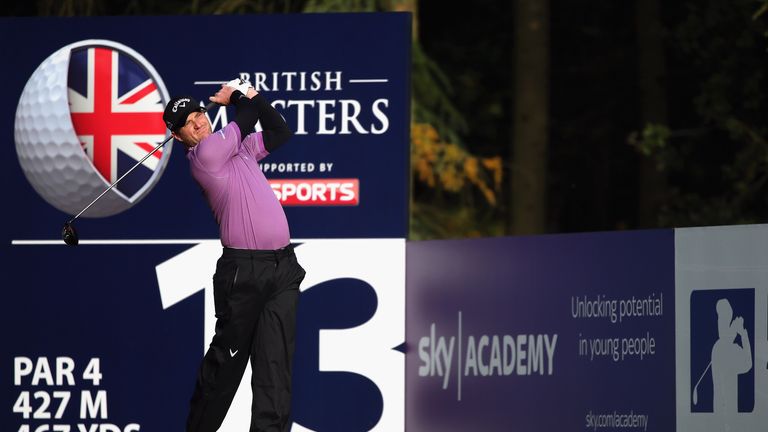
(653,105)
(530,138)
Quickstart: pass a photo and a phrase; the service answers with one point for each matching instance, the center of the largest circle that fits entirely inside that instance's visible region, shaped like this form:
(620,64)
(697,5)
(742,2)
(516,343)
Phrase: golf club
(68,232)
(696,387)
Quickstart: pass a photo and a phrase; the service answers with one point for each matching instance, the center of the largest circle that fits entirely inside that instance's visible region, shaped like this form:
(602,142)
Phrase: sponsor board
(349,114)
(100,342)
(561,332)
(722,328)
(647,330)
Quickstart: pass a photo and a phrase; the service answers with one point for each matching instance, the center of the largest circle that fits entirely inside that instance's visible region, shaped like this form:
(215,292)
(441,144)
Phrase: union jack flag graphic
(116,110)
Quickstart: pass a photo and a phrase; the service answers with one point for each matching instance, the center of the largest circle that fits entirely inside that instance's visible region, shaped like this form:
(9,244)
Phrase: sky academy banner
(645,330)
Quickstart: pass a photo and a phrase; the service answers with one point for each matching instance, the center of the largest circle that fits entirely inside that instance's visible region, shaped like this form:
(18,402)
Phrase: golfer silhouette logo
(719,333)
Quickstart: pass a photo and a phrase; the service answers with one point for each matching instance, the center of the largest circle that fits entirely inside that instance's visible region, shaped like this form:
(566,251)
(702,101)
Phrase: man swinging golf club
(256,284)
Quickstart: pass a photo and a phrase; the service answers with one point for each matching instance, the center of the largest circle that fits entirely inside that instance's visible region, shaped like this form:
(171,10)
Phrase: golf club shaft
(207,108)
(121,177)
(702,375)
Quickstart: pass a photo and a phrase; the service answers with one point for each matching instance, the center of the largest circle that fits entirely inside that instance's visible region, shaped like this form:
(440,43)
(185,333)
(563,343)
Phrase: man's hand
(738,325)
(222,96)
(244,87)
(240,84)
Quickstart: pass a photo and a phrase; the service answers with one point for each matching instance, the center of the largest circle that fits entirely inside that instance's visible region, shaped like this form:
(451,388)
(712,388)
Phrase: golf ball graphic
(88,113)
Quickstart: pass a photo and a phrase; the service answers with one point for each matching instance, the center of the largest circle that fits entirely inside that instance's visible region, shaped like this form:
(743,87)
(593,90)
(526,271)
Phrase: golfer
(256,284)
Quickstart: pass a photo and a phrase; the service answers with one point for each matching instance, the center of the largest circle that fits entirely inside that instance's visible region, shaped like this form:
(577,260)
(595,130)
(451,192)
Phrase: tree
(714,150)
(528,179)
(653,103)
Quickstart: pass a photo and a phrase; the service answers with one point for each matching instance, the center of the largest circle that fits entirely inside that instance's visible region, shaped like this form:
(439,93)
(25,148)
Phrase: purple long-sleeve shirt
(248,213)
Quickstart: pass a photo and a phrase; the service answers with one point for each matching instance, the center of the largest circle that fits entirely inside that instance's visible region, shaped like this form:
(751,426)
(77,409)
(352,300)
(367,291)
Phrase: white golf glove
(240,84)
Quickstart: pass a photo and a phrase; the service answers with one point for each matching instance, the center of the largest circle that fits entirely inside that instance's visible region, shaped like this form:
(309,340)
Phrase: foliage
(341,6)
(435,220)
(221,7)
(147,7)
(444,204)
(439,160)
(716,160)
(432,93)
(446,166)
(653,138)
(761,11)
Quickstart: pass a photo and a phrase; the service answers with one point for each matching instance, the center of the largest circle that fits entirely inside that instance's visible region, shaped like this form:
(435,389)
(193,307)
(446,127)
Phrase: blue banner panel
(86,328)
(562,332)
(340,80)
(108,336)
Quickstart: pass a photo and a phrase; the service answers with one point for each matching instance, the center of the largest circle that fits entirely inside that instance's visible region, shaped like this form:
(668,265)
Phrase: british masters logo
(89,112)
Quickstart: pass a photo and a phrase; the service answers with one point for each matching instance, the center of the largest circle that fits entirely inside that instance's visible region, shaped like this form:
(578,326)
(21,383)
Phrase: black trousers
(255,296)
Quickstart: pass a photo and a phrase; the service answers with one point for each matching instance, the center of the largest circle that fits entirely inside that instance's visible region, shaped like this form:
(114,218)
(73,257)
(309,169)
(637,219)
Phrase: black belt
(261,254)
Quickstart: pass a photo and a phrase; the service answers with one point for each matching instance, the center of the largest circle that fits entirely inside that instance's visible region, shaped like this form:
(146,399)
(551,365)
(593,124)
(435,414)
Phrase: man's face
(194,130)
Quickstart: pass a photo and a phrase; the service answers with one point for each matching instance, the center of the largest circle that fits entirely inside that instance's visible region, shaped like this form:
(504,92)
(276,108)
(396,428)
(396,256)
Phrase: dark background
(712,79)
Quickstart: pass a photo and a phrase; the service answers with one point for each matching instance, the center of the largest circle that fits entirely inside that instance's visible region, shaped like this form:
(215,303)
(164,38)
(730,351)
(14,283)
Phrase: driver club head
(69,234)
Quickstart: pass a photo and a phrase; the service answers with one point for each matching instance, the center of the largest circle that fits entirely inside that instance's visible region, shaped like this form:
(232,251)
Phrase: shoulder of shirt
(231,124)
(221,133)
